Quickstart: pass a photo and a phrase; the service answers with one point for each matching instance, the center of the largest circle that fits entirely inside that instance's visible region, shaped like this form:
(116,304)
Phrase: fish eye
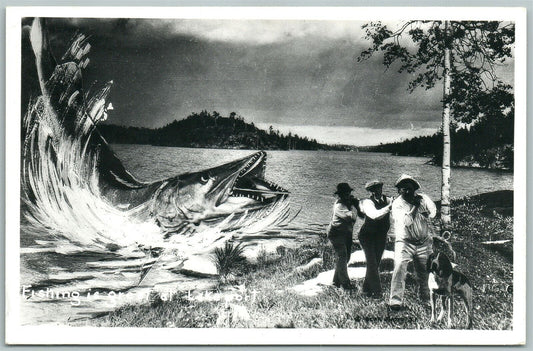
(204,177)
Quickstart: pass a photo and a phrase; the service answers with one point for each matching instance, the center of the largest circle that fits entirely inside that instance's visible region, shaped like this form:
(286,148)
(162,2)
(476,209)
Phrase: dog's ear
(428,262)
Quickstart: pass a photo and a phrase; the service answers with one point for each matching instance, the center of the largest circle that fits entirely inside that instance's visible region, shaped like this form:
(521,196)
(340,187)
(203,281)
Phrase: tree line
(211,130)
(489,143)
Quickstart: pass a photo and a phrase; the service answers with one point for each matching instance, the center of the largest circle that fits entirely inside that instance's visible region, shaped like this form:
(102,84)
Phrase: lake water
(311,176)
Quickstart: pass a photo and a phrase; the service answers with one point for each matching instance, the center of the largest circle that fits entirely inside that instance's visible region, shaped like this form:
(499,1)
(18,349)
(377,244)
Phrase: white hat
(373,183)
(407,178)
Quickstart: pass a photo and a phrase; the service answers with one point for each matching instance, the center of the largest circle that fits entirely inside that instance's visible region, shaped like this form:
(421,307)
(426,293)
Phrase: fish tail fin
(44,58)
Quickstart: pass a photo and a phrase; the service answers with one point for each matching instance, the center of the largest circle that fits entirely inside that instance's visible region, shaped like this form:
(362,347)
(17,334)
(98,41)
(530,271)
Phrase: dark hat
(373,184)
(407,178)
(343,188)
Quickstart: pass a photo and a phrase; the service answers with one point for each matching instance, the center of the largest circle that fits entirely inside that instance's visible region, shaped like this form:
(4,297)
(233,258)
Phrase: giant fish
(63,150)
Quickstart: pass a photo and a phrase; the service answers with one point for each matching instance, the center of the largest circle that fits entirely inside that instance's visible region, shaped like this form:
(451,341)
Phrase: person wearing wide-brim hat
(407,179)
(373,234)
(340,233)
(411,213)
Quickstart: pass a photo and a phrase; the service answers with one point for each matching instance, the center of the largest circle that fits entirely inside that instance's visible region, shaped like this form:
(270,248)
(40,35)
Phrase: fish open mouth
(250,183)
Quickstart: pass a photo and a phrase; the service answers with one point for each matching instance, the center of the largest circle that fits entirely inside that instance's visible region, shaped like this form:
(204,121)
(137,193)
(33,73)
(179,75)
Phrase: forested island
(211,130)
(487,144)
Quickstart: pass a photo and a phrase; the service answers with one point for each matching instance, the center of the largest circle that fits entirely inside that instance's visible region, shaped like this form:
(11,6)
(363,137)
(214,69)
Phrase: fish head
(232,188)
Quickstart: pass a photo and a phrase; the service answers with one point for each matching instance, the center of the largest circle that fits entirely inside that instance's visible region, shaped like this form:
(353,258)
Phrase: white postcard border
(48,334)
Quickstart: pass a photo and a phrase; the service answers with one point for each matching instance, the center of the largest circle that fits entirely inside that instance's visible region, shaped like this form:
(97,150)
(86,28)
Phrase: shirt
(412,225)
(368,207)
(343,219)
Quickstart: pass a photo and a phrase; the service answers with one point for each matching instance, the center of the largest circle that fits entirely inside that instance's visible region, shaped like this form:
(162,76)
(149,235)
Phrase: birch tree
(463,55)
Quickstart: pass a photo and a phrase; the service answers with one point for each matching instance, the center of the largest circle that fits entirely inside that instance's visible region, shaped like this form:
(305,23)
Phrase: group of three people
(410,214)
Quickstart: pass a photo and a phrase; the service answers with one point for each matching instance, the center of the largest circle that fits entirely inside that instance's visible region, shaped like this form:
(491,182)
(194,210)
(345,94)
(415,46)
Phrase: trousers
(373,245)
(404,252)
(342,245)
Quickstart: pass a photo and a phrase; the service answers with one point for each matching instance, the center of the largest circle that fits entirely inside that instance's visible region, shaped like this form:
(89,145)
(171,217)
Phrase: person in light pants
(411,214)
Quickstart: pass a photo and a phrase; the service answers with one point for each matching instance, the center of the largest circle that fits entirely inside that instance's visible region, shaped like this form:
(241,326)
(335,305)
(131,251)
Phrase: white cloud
(268,31)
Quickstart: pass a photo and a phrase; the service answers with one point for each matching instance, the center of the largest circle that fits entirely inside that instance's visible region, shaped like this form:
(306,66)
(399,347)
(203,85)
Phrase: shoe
(395,307)
(349,287)
(375,296)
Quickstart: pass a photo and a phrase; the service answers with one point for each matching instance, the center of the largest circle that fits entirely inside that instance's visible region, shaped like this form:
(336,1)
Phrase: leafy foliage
(479,100)
(477,47)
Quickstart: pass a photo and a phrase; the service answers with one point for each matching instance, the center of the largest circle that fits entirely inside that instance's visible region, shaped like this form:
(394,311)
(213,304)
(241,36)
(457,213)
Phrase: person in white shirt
(340,233)
(411,214)
(373,234)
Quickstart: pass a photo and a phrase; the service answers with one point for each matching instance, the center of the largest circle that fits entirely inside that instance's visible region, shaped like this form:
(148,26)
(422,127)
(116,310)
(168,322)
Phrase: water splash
(76,238)
(60,187)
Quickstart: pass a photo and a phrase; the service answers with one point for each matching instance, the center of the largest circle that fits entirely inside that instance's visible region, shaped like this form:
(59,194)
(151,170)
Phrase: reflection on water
(105,280)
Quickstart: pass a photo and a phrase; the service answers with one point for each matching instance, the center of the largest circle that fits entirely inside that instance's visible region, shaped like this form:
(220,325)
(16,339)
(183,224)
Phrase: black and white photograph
(265,176)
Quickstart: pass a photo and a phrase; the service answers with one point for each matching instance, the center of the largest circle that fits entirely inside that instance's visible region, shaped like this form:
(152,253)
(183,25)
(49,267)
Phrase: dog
(445,281)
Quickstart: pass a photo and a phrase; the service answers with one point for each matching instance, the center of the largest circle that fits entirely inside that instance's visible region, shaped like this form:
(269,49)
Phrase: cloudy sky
(300,76)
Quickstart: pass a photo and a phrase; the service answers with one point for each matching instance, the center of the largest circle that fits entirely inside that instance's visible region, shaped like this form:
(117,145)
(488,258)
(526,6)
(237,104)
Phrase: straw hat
(407,178)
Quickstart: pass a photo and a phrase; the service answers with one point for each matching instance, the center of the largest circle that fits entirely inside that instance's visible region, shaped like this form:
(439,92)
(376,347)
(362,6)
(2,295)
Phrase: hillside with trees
(487,144)
(211,130)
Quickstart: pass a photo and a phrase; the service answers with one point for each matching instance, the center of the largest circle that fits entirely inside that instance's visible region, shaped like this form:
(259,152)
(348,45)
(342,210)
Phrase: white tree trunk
(446,171)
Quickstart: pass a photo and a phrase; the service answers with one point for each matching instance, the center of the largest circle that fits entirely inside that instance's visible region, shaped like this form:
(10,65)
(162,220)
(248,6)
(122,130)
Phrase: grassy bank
(261,294)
